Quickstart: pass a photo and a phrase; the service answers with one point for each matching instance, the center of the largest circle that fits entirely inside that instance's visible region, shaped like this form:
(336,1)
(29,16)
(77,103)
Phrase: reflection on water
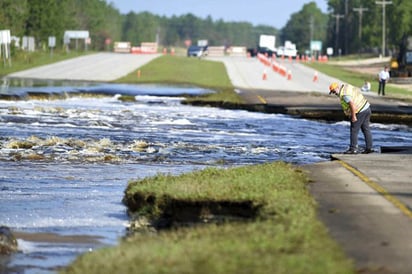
(65,163)
(18,88)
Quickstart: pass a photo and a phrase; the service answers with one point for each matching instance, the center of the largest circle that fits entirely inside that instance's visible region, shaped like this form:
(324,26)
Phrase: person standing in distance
(357,108)
(383,78)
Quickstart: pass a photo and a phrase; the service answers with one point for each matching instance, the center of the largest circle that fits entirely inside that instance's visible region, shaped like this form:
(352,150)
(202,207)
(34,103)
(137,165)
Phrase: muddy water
(66,162)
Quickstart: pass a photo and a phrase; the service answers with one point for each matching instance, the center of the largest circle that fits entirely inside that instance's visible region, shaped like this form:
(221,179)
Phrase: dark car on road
(197,51)
(254,51)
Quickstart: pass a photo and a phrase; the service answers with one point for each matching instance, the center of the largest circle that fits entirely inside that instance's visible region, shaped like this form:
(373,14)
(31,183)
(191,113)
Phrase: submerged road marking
(405,210)
(261,99)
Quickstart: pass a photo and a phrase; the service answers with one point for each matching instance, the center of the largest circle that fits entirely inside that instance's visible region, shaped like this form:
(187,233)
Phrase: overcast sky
(274,13)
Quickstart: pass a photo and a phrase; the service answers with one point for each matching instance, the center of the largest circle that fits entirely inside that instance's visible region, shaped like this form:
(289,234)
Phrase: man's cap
(333,86)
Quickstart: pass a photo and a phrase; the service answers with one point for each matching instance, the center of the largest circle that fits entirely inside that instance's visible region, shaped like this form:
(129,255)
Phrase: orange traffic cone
(315,77)
(289,75)
(264,76)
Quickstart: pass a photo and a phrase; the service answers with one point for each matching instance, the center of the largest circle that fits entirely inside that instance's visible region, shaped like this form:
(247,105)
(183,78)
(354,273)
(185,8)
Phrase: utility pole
(337,17)
(158,36)
(346,27)
(360,11)
(311,34)
(383,3)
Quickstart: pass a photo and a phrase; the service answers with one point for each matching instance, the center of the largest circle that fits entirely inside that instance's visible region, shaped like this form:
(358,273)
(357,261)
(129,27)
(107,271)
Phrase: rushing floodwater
(65,163)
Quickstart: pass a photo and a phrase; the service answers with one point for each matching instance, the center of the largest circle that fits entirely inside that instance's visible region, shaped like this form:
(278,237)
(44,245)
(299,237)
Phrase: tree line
(352,26)
(43,18)
(361,24)
(349,26)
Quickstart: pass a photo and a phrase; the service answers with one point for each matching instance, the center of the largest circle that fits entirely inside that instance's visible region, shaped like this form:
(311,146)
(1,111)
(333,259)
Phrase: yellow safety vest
(357,98)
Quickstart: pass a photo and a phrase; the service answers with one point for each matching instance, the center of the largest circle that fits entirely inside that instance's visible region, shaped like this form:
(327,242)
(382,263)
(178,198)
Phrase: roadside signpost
(52,44)
(76,34)
(5,41)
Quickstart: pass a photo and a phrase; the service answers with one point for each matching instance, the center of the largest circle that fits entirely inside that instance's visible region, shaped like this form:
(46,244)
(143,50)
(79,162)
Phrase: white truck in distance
(267,41)
(288,50)
(267,44)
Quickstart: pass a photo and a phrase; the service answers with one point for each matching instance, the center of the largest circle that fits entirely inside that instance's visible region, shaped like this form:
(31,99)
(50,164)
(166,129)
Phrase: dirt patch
(371,70)
(165,212)
(55,238)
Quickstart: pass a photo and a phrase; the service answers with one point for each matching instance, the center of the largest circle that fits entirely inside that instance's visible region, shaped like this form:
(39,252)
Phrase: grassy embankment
(281,235)
(278,231)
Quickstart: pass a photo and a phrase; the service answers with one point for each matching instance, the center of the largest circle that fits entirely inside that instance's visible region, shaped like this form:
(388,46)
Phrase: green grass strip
(185,71)
(357,79)
(287,238)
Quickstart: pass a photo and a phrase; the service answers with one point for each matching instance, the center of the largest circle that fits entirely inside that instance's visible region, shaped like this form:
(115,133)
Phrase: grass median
(276,229)
(178,70)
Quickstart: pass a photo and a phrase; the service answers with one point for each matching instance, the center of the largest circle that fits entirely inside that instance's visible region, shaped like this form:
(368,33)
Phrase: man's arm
(353,111)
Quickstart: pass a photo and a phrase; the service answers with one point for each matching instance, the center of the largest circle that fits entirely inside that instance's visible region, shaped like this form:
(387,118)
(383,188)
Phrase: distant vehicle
(265,46)
(401,65)
(266,51)
(124,47)
(197,51)
(252,52)
(288,50)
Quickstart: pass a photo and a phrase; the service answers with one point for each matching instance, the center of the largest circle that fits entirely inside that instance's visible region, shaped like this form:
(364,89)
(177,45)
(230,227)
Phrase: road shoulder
(371,230)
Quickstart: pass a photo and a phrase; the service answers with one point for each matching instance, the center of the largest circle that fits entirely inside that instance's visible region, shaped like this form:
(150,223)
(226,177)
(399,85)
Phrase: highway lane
(247,73)
(101,67)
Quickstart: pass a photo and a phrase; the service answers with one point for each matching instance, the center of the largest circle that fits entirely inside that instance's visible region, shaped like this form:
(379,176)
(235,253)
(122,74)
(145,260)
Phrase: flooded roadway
(66,162)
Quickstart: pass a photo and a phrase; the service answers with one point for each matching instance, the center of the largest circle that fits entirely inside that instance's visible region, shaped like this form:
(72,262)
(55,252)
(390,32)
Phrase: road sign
(316,45)
(52,41)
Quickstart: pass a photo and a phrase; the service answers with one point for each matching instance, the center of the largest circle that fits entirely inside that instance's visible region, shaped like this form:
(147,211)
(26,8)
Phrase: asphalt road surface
(248,73)
(101,67)
(245,73)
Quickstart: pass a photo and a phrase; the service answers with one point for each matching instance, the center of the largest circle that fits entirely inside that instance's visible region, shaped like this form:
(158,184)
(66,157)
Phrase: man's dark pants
(361,124)
(382,84)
